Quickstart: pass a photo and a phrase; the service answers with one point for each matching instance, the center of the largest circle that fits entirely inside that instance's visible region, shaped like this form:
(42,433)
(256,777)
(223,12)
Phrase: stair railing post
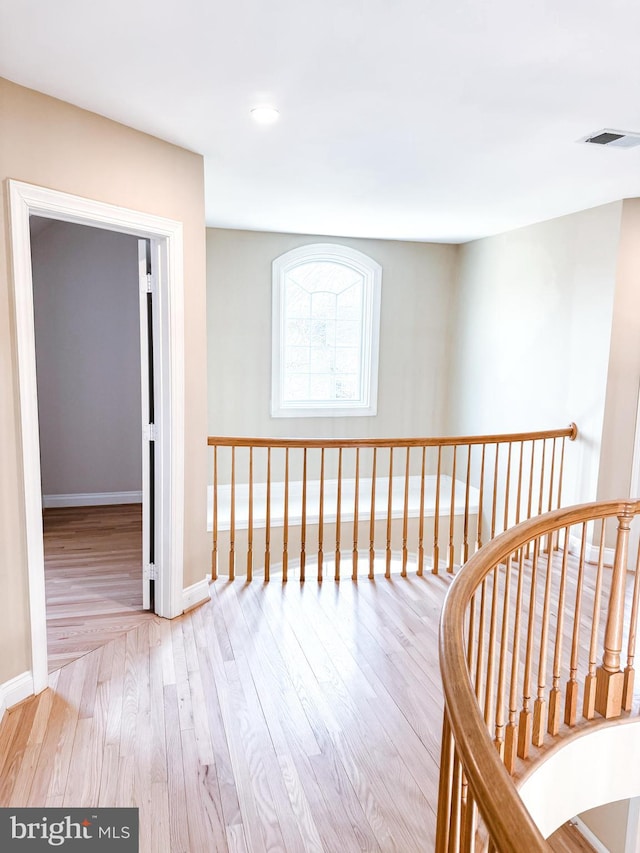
(609,676)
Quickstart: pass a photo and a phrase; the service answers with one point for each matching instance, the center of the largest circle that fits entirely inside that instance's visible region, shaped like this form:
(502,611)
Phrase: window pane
(349,303)
(297,301)
(347,360)
(346,388)
(321,360)
(321,388)
(297,360)
(296,388)
(323,305)
(324,275)
(347,333)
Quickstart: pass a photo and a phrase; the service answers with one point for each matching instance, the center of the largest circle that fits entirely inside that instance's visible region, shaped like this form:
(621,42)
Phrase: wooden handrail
(569,432)
(435,505)
(485,768)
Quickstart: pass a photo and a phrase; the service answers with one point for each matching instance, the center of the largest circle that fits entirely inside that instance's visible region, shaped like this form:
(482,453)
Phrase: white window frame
(371,271)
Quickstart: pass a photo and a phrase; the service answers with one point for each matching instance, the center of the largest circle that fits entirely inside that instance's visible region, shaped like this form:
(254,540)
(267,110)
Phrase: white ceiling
(408,119)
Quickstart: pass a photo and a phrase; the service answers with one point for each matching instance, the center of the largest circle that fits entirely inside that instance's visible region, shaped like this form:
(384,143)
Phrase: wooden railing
(537,641)
(430,501)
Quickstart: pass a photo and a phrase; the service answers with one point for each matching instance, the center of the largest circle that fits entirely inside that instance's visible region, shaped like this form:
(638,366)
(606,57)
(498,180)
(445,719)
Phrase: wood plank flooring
(93,571)
(273,718)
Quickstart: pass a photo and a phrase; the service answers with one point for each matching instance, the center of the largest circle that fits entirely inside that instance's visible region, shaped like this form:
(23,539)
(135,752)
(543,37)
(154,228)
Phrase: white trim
(591,552)
(196,594)
(371,271)
(91,499)
(632,844)
(591,837)
(15,690)
(166,241)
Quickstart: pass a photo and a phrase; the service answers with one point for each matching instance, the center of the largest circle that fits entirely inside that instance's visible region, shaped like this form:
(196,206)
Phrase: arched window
(326,325)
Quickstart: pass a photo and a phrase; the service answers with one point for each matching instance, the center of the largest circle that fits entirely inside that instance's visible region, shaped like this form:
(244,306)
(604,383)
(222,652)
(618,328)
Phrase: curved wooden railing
(432,501)
(542,617)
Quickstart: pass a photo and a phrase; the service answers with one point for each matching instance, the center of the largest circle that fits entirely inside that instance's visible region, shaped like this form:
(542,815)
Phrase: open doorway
(162,267)
(90,411)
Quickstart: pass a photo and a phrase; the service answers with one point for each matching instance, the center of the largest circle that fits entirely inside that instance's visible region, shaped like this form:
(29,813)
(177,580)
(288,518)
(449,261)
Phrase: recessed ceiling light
(265,115)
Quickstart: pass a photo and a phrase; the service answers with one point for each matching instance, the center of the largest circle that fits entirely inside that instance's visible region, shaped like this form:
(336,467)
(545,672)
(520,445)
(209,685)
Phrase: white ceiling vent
(613,138)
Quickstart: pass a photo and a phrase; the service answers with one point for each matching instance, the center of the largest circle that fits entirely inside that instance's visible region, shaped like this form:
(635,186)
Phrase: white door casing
(166,240)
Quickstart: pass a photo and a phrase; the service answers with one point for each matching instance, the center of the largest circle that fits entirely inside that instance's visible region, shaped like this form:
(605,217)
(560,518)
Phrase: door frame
(167,249)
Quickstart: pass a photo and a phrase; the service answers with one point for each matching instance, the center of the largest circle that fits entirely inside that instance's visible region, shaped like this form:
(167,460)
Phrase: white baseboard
(92,499)
(591,552)
(15,690)
(196,594)
(593,839)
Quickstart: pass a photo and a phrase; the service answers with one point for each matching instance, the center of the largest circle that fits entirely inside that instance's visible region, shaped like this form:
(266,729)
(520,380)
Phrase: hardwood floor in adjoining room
(93,577)
(274,717)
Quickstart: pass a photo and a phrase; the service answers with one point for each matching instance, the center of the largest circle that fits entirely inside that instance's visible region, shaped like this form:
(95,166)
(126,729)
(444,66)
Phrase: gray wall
(417,287)
(88,358)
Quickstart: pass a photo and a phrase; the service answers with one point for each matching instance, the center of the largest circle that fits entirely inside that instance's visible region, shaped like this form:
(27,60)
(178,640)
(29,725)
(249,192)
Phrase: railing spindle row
(553,595)
(434,508)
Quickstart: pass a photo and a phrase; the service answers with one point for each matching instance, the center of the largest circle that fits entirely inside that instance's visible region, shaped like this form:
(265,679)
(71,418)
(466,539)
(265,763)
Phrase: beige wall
(609,824)
(623,378)
(417,284)
(533,314)
(52,144)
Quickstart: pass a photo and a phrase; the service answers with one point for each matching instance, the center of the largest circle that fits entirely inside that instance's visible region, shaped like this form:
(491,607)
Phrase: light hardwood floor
(93,570)
(290,718)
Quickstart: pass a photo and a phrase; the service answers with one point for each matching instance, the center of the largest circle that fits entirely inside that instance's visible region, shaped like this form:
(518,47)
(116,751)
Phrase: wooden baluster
(405,516)
(571,699)
(479,681)
(338,515)
(561,474)
(496,467)
(285,532)
(531,472)
(267,528)
(372,517)
(467,491)
(456,804)
(232,518)
(421,519)
(502,664)
(214,551)
(480,500)
(321,517)
(555,696)
(445,787)
(553,462)
(542,472)
(491,651)
(511,734)
(470,825)
(303,519)
(250,521)
(519,491)
(610,678)
(356,499)
(530,497)
(505,524)
(471,639)
(540,705)
(589,700)
(387,572)
(629,671)
(452,513)
(525,723)
(436,518)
